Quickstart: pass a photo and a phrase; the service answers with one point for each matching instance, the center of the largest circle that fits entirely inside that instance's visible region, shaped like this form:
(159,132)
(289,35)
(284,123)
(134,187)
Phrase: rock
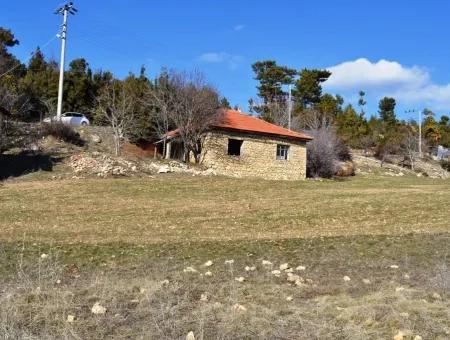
(96,138)
(165,282)
(266,263)
(436,296)
(190,270)
(289,270)
(289,298)
(399,289)
(204,297)
(239,308)
(394,266)
(404,315)
(98,309)
(293,278)
(346,169)
(208,273)
(346,279)
(406,276)
(401,335)
(163,169)
(44,256)
(190,336)
(276,272)
(70,318)
(417,337)
(250,269)
(229,262)
(284,266)
(300,268)
(208,263)
(366,281)
(239,279)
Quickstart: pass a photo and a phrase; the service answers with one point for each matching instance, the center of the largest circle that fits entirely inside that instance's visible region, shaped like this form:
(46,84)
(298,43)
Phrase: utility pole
(64,10)
(290,107)
(420,129)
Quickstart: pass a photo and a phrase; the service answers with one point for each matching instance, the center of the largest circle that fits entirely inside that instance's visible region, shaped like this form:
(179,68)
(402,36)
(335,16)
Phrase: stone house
(241,145)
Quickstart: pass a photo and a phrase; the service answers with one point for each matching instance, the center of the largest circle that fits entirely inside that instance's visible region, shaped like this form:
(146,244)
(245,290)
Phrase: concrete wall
(257,159)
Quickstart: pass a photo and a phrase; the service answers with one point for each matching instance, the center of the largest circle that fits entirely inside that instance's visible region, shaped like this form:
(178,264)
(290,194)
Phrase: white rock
(190,336)
(239,308)
(44,256)
(208,273)
(190,270)
(289,298)
(399,289)
(229,261)
(289,270)
(239,279)
(394,266)
(276,272)
(366,281)
(284,266)
(346,278)
(204,297)
(250,269)
(208,263)
(58,282)
(300,268)
(266,263)
(165,282)
(293,278)
(436,296)
(417,337)
(406,276)
(70,318)
(163,169)
(98,309)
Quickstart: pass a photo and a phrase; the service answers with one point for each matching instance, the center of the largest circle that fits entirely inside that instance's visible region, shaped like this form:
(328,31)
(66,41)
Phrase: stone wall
(257,159)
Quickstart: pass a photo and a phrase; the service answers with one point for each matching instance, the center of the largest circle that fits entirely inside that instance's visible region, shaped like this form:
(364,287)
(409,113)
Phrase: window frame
(282,152)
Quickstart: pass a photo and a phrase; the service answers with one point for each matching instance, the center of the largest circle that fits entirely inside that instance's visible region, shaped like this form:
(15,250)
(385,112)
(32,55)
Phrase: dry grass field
(367,258)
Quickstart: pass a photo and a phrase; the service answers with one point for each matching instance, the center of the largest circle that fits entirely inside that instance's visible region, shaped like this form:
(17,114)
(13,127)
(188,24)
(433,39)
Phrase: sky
(393,48)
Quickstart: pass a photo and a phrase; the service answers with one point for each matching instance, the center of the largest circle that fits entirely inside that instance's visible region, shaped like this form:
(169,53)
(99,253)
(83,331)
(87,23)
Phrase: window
(234,147)
(282,152)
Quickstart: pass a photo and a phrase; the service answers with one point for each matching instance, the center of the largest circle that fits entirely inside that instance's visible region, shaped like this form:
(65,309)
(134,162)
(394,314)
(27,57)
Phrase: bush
(445,165)
(325,152)
(62,132)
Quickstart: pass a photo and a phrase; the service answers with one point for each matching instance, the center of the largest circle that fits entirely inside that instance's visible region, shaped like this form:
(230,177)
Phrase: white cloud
(221,57)
(409,85)
(362,73)
(238,28)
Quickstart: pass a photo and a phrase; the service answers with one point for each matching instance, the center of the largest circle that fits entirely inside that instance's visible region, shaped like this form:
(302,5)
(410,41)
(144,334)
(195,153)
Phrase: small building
(241,145)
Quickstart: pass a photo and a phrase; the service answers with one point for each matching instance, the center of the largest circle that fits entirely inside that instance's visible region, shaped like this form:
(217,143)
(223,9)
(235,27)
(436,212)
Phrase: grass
(147,211)
(117,241)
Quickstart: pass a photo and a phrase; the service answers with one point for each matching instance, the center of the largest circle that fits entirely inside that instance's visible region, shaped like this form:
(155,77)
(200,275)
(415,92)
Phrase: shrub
(62,132)
(325,152)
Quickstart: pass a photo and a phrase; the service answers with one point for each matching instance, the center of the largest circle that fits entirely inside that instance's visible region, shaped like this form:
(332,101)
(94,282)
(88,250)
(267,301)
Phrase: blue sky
(397,48)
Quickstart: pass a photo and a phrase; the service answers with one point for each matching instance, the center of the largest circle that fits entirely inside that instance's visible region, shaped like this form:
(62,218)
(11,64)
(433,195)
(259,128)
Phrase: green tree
(444,129)
(386,110)
(224,103)
(271,78)
(351,127)
(308,88)
(362,101)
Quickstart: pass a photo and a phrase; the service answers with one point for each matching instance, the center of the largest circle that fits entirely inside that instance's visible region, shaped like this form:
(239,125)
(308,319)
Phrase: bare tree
(409,147)
(116,105)
(50,107)
(195,109)
(160,100)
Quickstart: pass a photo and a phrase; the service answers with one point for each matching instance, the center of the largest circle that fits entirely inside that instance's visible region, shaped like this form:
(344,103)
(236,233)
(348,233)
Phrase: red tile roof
(234,120)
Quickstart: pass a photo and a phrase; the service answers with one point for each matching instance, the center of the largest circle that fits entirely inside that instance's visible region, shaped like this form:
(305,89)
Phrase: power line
(31,56)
